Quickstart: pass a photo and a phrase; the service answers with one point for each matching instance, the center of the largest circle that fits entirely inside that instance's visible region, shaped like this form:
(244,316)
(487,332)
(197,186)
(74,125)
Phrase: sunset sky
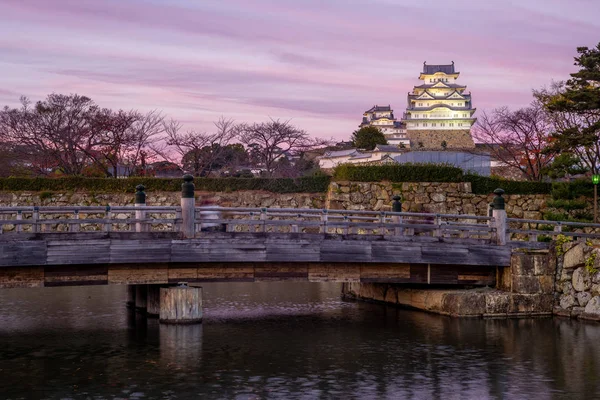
(320,63)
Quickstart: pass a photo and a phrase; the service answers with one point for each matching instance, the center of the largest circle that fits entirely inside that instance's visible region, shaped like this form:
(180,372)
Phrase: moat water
(282,341)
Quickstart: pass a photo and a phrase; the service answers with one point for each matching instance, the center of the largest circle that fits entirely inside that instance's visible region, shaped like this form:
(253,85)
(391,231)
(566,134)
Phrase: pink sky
(320,63)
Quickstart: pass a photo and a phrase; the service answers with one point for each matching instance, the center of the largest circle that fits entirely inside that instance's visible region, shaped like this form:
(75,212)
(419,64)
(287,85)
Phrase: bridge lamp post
(595,181)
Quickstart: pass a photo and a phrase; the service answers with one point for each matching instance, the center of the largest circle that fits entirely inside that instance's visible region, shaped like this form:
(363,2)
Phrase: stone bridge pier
(523,289)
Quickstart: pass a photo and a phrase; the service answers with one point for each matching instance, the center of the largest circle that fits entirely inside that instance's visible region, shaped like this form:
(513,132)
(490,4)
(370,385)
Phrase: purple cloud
(319,62)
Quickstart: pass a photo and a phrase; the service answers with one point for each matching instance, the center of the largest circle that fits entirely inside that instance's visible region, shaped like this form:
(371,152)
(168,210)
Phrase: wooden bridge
(51,246)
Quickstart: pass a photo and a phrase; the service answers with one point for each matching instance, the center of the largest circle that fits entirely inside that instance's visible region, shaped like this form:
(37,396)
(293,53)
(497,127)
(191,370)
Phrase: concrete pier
(130,296)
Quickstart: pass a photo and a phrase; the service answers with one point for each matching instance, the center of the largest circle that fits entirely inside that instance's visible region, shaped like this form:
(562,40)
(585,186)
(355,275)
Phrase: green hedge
(398,173)
(317,184)
(436,173)
(486,185)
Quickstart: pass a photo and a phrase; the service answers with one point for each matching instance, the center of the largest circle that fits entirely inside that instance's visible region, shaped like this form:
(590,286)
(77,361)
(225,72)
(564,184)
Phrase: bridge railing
(15,220)
(533,230)
(89,219)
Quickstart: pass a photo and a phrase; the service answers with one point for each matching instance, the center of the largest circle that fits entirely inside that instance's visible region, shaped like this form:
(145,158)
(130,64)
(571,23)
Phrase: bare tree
(199,151)
(271,141)
(56,129)
(519,139)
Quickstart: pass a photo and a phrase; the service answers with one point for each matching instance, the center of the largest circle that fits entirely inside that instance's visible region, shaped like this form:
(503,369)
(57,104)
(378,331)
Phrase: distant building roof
(387,148)
(379,108)
(450,85)
(432,69)
(340,153)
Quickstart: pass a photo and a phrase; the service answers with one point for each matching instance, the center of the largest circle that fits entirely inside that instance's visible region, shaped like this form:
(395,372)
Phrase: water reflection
(282,340)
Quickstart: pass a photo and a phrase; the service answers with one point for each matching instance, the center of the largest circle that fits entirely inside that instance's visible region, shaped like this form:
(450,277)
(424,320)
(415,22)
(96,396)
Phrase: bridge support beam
(141,297)
(181,305)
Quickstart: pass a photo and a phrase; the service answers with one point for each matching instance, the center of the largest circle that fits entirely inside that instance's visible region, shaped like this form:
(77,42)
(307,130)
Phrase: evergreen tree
(368,137)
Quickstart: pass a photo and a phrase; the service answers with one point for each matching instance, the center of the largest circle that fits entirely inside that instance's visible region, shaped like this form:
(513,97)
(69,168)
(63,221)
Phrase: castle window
(455,115)
(451,124)
(433,124)
(443,124)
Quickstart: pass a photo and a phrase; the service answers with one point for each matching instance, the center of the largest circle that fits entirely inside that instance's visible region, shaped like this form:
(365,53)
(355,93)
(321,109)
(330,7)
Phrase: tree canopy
(574,106)
(368,137)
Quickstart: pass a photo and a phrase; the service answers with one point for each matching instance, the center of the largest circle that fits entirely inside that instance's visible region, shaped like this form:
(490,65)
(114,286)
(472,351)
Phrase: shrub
(486,185)
(398,173)
(317,184)
(572,190)
(567,205)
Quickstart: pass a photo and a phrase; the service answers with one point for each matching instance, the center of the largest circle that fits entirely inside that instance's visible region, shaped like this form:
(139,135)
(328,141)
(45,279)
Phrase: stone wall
(578,280)
(434,197)
(232,199)
(455,139)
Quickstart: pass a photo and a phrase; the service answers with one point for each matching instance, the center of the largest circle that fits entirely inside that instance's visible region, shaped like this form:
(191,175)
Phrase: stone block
(391,295)
(525,284)
(581,280)
(522,264)
(583,298)
(577,311)
(373,291)
(574,257)
(530,303)
(544,264)
(465,304)
(546,283)
(496,303)
(593,306)
(567,301)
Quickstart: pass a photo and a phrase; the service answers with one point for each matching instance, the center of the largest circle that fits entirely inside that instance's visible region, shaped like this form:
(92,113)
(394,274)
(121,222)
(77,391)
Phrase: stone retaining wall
(578,281)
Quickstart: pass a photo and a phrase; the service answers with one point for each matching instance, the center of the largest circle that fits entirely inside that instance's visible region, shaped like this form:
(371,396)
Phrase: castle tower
(383,118)
(439,111)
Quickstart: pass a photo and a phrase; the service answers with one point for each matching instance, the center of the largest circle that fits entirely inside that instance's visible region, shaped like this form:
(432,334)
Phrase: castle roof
(430,85)
(466,96)
(440,105)
(379,108)
(432,69)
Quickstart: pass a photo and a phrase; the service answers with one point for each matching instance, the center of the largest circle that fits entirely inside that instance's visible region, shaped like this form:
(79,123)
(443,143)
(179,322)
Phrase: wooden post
(499,214)
(153,304)
(595,204)
(263,219)
(187,207)
(19,227)
(396,219)
(181,305)
(140,202)
(75,226)
(323,221)
(107,217)
(34,218)
(131,291)
(438,222)
(141,297)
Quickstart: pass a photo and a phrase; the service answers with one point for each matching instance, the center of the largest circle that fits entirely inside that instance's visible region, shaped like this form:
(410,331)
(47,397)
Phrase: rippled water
(282,341)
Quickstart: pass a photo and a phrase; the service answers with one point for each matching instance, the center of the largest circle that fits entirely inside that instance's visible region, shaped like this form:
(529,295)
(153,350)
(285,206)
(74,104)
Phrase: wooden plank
(281,272)
(443,274)
(418,273)
(138,274)
(404,252)
(21,277)
(75,275)
(345,251)
(182,273)
(392,273)
(139,251)
(333,272)
(226,272)
(18,253)
(78,252)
